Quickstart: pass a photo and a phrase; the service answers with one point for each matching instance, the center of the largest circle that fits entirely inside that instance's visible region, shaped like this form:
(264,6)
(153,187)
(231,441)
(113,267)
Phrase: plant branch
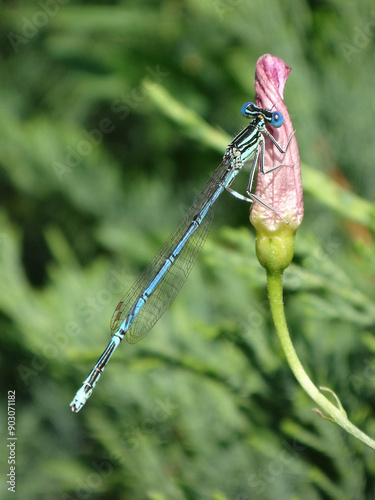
(337,413)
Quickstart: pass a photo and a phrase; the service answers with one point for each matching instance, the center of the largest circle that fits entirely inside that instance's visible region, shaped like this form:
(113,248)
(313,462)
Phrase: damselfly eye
(247,113)
(277,119)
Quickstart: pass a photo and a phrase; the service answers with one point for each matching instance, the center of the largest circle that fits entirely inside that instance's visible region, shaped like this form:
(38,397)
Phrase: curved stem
(274,281)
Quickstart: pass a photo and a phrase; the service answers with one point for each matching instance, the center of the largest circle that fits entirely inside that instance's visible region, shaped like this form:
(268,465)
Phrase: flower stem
(337,414)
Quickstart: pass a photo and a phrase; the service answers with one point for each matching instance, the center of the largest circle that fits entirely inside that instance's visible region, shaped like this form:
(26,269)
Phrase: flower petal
(282,188)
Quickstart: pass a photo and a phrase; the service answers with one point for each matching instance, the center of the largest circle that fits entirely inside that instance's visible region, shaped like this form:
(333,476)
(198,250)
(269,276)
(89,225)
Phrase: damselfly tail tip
(80,399)
(75,405)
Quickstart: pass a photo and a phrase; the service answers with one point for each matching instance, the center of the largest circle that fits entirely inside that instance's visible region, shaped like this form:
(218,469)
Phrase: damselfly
(158,285)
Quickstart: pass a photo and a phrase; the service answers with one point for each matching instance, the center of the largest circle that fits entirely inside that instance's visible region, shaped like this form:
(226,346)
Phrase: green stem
(274,280)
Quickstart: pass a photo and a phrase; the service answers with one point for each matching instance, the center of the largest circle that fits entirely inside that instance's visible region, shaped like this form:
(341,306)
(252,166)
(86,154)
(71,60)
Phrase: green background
(205,407)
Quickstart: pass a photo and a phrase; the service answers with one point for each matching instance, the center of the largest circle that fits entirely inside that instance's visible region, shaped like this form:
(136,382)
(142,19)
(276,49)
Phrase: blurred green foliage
(95,172)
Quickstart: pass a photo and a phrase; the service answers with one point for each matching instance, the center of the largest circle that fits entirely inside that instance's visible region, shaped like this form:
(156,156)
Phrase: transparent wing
(171,282)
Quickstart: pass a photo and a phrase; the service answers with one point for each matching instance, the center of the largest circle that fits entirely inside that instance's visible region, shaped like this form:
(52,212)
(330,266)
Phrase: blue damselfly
(158,285)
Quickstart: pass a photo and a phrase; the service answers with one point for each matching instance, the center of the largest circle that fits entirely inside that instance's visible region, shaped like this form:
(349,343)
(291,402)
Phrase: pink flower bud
(282,188)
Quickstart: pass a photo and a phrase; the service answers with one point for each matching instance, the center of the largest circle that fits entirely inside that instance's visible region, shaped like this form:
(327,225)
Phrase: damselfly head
(275,118)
